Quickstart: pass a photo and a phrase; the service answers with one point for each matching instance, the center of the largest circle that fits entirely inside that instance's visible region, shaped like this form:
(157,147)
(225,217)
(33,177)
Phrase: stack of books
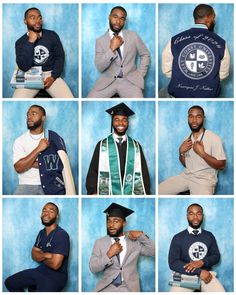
(32,79)
(185,281)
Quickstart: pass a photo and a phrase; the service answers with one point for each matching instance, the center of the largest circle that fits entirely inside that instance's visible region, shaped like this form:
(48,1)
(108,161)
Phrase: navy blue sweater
(197,55)
(46,52)
(187,247)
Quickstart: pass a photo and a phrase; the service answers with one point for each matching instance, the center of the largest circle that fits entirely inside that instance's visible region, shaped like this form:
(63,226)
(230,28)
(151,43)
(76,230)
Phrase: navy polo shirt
(197,55)
(56,242)
(50,166)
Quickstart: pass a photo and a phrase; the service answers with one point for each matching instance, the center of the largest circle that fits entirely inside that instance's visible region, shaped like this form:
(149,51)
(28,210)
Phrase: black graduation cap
(116,210)
(120,109)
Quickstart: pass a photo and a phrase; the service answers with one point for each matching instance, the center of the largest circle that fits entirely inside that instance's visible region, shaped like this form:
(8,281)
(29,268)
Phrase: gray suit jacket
(110,64)
(111,267)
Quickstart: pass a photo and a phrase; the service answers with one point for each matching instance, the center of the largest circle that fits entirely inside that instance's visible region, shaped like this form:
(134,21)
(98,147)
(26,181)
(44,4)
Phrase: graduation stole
(109,175)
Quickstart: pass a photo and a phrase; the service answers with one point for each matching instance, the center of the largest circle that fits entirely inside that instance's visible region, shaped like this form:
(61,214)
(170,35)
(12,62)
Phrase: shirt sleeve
(225,64)
(18,151)
(61,243)
(217,149)
(167,59)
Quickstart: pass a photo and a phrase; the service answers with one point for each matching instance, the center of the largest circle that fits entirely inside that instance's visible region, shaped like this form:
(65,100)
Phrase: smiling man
(116,53)
(41,160)
(194,251)
(51,251)
(118,166)
(116,254)
(41,47)
(202,155)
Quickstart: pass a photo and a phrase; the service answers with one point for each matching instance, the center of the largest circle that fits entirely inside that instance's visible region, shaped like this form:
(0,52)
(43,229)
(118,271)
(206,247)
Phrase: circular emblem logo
(41,54)
(129,178)
(196,61)
(197,251)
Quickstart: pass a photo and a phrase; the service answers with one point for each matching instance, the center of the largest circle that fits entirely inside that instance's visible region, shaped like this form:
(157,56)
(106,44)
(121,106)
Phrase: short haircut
(202,10)
(32,8)
(41,108)
(195,204)
(197,107)
(51,203)
(119,7)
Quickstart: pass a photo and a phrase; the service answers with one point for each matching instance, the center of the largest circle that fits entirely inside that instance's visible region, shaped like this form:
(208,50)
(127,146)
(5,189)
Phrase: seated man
(202,155)
(40,47)
(51,251)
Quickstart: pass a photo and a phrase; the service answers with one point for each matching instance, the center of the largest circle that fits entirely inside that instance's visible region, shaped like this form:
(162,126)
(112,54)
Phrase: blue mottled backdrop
(62,117)
(218,216)
(21,225)
(94,227)
(141,18)
(175,18)
(97,123)
(173,129)
(61,18)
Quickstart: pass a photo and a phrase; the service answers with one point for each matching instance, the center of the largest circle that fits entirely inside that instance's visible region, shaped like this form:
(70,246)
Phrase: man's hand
(43,144)
(116,42)
(198,148)
(33,36)
(206,276)
(115,249)
(191,266)
(185,146)
(48,82)
(134,234)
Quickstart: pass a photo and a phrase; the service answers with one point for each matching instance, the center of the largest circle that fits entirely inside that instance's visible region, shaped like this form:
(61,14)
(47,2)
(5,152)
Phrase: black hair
(197,107)
(32,8)
(202,10)
(41,108)
(119,7)
(51,203)
(195,204)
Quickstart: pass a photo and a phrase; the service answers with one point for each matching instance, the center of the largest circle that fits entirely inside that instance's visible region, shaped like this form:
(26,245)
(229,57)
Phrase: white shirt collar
(200,26)
(190,230)
(111,33)
(115,136)
(122,238)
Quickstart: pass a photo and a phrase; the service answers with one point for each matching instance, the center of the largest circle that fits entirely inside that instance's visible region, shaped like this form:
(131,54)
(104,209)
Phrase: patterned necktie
(118,49)
(195,232)
(117,281)
(120,143)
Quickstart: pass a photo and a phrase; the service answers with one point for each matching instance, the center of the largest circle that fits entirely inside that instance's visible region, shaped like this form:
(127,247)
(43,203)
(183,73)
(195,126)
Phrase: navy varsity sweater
(46,52)
(187,247)
(197,54)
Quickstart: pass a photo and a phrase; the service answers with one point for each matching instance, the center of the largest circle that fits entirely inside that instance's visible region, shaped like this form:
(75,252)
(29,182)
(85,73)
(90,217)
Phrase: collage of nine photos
(117,147)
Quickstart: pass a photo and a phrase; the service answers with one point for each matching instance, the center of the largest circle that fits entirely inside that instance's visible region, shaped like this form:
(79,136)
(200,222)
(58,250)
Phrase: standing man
(115,58)
(117,253)
(194,251)
(40,159)
(202,155)
(51,251)
(118,166)
(40,47)
(197,59)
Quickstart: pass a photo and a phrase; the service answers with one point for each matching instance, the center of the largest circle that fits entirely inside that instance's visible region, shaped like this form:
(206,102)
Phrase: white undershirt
(22,147)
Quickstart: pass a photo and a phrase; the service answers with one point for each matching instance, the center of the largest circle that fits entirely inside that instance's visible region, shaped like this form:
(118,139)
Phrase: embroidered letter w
(51,162)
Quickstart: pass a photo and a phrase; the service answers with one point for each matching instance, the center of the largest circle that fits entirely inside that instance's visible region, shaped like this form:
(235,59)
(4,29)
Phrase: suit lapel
(126,44)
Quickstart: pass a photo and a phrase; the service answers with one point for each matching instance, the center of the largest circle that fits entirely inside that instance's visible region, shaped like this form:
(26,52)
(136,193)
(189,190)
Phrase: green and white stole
(109,175)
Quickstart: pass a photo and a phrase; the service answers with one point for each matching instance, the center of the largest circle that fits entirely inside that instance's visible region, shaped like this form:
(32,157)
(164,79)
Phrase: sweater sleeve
(59,55)
(175,262)
(24,54)
(213,255)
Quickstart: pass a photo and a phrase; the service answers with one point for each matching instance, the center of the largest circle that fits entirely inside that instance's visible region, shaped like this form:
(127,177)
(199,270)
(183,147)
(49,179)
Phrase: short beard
(211,27)
(36,125)
(194,226)
(49,223)
(31,28)
(119,133)
(195,129)
(117,234)
(113,30)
